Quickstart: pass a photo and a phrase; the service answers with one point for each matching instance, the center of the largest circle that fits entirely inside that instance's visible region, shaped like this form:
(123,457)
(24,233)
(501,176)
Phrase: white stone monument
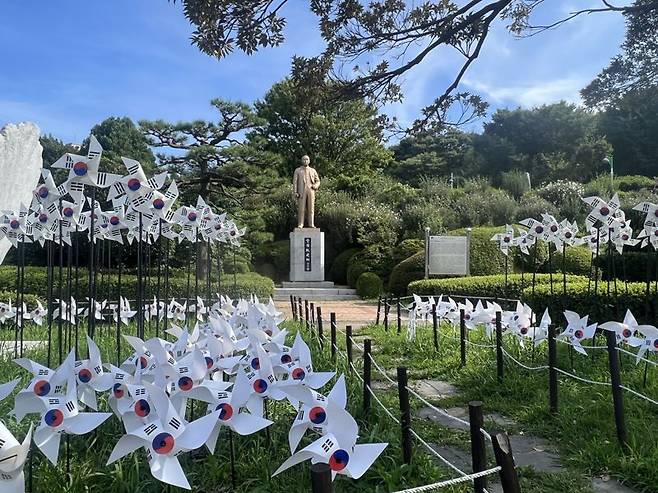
(20,168)
(306,255)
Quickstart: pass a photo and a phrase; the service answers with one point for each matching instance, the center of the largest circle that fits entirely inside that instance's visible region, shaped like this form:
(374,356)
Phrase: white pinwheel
(124,313)
(649,340)
(48,193)
(603,212)
(37,315)
(83,170)
(44,383)
(625,331)
(62,415)
(135,184)
(90,376)
(338,447)
(13,455)
(165,438)
(651,211)
(577,330)
(312,410)
(14,227)
(300,369)
(176,311)
(569,233)
(505,240)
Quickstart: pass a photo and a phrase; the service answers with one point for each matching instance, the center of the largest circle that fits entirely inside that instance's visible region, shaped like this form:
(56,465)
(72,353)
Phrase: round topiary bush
(338,270)
(486,257)
(369,285)
(375,259)
(410,269)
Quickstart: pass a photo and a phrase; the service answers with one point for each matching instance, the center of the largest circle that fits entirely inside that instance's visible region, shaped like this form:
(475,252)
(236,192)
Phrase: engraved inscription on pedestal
(308,264)
(307,255)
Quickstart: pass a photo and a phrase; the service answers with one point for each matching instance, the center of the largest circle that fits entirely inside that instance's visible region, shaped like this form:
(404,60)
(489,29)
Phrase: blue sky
(68,64)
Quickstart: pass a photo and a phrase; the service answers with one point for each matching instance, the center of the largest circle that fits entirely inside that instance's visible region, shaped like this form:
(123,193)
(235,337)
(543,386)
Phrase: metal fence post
(367,375)
(405,414)
(499,347)
(478,449)
(617,396)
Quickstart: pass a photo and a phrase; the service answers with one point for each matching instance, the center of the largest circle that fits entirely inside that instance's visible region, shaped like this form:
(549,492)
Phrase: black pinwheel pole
(77,286)
(49,254)
(157,289)
(140,282)
(60,322)
(92,280)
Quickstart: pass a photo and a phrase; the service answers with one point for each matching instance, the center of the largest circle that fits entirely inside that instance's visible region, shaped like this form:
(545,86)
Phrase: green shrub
(577,261)
(514,182)
(30,299)
(338,270)
(486,257)
(277,254)
(487,286)
(410,269)
(600,306)
(369,285)
(407,248)
(36,282)
(623,183)
(375,259)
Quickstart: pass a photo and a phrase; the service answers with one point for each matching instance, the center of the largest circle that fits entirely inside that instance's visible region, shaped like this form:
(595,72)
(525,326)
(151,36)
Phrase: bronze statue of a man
(305,182)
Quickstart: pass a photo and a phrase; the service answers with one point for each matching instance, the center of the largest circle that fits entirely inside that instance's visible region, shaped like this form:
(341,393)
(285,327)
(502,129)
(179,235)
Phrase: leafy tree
(636,68)
(552,141)
(401,35)
(433,154)
(630,124)
(339,136)
(210,156)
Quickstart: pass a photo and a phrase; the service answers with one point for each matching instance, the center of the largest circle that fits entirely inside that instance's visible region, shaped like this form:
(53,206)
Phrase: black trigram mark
(174,423)
(70,406)
(328,443)
(150,429)
(140,391)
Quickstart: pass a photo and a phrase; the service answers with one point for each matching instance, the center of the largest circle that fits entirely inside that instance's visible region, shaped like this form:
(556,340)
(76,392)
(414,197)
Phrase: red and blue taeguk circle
(114,220)
(225,411)
(185,383)
(134,184)
(260,386)
(286,358)
(158,204)
(43,217)
(317,415)
(84,375)
(142,408)
(338,460)
(191,216)
(578,334)
(42,388)
(209,362)
(143,362)
(80,168)
(117,390)
(163,443)
(298,374)
(14,224)
(255,364)
(68,212)
(54,418)
(43,192)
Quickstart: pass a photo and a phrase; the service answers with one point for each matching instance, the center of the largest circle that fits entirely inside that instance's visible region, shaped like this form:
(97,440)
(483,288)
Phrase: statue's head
(306,161)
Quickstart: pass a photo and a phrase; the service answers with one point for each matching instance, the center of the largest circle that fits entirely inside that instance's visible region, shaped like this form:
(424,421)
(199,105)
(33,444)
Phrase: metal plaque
(448,255)
(307,255)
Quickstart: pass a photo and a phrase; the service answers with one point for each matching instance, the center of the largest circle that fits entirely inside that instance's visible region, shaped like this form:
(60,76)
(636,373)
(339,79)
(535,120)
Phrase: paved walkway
(354,313)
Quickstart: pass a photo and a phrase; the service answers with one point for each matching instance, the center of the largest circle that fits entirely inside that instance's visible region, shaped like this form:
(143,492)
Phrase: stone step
(321,294)
(309,284)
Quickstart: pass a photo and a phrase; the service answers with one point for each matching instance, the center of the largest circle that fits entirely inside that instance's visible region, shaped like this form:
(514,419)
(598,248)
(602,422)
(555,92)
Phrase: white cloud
(532,93)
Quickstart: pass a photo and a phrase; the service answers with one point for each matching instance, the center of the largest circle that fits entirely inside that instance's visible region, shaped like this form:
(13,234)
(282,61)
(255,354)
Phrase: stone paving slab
(7,347)
(434,389)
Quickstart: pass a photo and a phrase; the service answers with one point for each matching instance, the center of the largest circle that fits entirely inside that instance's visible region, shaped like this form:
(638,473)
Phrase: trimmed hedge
(338,270)
(601,306)
(488,286)
(36,281)
(369,285)
(410,269)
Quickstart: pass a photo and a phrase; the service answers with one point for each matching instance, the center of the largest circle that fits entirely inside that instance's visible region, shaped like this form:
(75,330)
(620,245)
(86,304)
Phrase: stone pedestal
(306,255)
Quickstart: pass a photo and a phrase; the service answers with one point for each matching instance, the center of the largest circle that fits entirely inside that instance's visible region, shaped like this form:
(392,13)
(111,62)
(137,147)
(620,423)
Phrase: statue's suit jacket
(303,179)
